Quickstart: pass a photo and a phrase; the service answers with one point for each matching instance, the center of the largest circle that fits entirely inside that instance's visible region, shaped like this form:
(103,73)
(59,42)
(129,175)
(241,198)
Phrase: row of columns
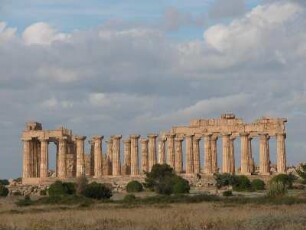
(35,158)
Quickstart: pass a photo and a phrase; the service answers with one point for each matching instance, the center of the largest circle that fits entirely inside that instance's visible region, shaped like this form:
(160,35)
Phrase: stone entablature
(139,154)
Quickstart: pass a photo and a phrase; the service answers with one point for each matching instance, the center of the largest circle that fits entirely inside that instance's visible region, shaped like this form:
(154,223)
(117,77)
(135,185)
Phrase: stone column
(189,154)
(80,158)
(134,155)
(232,155)
(214,154)
(208,154)
(226,153)
(97,140)
(245,161)
(162,150)
(281,152)
(178,155)
(170,152)
(196,154)
(152,150)
(110,155)
(92,157)
(127,156)
(26,158)
(43,157)
(116,155)
(251,163)
(62,151)
(144,155)
(264,159)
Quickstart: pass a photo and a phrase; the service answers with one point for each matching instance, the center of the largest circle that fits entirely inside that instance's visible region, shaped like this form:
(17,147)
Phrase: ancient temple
(140,154)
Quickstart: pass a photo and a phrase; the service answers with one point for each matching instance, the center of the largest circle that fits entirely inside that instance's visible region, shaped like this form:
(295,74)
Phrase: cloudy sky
(111,66)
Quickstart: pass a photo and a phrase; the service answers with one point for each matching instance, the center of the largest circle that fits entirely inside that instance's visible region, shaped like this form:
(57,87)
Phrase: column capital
(144,140)
(178,139)
(134,136)
(170,135)
(280,135)
(197,138)
(232,138)
(80,137)
(26,139)
(162,138)
(152,135)
(43,139)
(244,134)
(207,134)
(97,138)
(189,135)
(110,140)
(226,134)
(117,137)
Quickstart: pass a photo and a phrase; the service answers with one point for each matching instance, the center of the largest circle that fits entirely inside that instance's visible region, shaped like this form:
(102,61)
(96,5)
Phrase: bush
(276,189)
(163,180)
(3,190)
(258,184)
(241,183)
(285,179)
(129,198)
(97,191)
(180,185)
(25,202)
(227,193)
(224,179)
(4,182)
(134,186)
(59,188)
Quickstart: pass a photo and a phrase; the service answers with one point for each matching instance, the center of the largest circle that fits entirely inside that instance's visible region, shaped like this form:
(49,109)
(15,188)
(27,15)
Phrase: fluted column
(214,154)
(208,154)
(43,157)
(144,155)
(264,159)
(134,155)
(80,161)
(26,158)
(162,150)
(97,140)
(110,155)
(127,156)
(232,155)
(170,152)
(178,155)
(251,163)
(281,152)
(92,157)
(196,154)
(226,153)
(189,154)
(62,151)
(116,155)
(152,150)
(245,161)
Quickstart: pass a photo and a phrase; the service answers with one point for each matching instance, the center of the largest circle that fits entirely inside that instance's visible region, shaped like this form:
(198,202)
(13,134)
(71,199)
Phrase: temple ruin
(140,154)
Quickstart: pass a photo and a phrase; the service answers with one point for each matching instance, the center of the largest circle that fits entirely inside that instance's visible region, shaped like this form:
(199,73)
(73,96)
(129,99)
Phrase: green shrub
(241,183)
(163,180)
(224,179)
(258,184)
(4,182)
(227,193)
(26,201)
(180,185)
(59,188)
(285,179)
(43,192)
(276,189)
(3,190)
(97,191)
(134,186)
(129,198)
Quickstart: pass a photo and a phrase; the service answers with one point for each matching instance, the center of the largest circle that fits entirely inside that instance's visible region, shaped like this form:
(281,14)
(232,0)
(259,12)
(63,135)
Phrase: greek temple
(180,147)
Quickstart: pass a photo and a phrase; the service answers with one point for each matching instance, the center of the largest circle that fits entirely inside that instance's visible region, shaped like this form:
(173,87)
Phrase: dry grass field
(205,215)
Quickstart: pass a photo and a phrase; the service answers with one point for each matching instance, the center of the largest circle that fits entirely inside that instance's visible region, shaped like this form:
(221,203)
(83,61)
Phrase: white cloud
(58,74)
(41,33)
(6,33)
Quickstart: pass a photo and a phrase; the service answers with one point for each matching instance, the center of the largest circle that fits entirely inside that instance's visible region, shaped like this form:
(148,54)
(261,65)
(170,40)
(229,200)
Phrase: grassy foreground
(213,214)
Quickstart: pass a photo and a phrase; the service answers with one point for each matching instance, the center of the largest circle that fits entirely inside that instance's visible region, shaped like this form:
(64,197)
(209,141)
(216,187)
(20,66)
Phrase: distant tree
(4,182)
(301,171)
(286,179)
(3,190)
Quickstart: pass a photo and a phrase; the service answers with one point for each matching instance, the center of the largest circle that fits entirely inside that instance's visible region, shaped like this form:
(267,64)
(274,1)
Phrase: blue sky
(122,67)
